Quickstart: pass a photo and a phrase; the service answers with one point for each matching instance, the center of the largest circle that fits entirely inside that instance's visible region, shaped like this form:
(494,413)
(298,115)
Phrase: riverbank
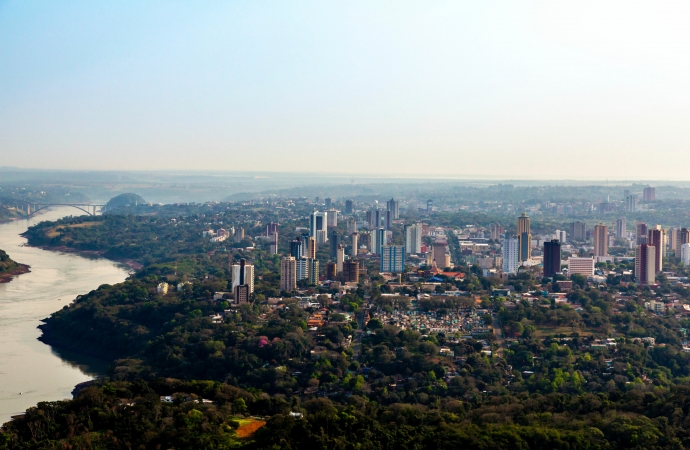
(8,276)
(132,264)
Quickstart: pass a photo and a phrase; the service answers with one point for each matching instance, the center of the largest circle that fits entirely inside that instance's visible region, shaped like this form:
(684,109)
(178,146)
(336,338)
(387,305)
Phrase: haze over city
(503,90)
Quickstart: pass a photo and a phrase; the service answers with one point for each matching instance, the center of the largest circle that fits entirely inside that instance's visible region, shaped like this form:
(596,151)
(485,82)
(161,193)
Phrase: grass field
(57,231)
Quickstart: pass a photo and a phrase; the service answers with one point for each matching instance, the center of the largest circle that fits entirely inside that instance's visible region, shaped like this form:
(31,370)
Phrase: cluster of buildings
(463,322)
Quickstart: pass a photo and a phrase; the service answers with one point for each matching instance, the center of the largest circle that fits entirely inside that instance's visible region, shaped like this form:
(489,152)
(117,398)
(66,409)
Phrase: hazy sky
(582,89)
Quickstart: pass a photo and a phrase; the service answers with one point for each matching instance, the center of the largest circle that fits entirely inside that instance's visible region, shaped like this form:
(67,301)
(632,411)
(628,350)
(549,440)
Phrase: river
(31,371)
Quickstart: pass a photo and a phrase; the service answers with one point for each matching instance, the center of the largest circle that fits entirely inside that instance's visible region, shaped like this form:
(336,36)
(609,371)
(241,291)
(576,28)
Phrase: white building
(413,238)
(248,276)
(302,269)
(582,266)
(685,254)
(162,288)
(511,255)
(332,217)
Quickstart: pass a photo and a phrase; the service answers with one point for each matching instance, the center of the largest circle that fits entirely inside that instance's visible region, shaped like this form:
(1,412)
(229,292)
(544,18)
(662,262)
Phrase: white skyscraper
(685,254)
(413,238)
(248,276)
(511,255)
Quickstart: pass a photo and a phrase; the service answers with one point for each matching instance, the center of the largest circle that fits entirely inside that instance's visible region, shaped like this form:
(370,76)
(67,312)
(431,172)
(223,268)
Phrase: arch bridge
(89,208)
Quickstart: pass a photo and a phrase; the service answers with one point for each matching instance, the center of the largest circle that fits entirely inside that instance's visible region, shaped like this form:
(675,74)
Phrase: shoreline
(9,276)
(132,264)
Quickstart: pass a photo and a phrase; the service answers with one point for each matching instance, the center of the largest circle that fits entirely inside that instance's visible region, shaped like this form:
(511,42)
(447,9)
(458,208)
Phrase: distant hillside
(125,200)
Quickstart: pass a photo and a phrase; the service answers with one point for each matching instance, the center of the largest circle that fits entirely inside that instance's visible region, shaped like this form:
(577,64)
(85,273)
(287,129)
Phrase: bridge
(89,208)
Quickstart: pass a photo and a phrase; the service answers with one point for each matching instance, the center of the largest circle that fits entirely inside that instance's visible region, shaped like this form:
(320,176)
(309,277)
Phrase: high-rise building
(331,270)
(328,203)
(392,206)
(339,258)
(496,231)
(525,237)
(552,258)
(439,255)
(304,238)
(302,269)
(626,194)
(649,194)
(239,234)
(380,240)
(621,227)
(672,240)
(683,238)
(273,248)
(511,255)
(601,240)
(581,266)
(370,220)
(560,236)
(413,238)
(644,264)
(296,248)
(321,237)
(332,217)
(351,271)
(271,228)
(348,207)
(578,231)
(355,244)
(641,233)
(655,237)
(242,276)
(377,218)
(311,247)
(334,241)
(372,241)
(685,254)
(389,220)
(393,258)
(631,203)
(313,271)
(317,222)
(288,274)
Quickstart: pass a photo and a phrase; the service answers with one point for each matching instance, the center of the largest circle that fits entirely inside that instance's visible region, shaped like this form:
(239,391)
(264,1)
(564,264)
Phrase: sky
(491,90)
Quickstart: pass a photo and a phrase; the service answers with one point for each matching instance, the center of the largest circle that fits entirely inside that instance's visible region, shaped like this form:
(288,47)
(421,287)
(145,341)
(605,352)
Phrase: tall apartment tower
(525,237)
(355,244)
(511,255)
(649,194)
(631,203)
(351,271)
(296,248)
(288,274)
(392,206)
(389,220)
(311,248)
(683,238)
(392,258)
(413,238)
(328,203)
(496,231)
(641,233)
(621,227)
(313,271)
(380,240)
(552,258)
(317,226)
(601,240)
(271,228)
(685,254)
(243,273)
(439,255)
(339,259)
(349,207)
(334,241)
(332,218)
(644,264)
(578,231)
(240,286)
(655,237)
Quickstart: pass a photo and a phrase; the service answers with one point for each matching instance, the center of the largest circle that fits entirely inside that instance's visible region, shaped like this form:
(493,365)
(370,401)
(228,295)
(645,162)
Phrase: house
(162,288)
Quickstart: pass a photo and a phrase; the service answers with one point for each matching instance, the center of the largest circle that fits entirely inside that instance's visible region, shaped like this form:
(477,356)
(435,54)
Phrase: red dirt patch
(249,429)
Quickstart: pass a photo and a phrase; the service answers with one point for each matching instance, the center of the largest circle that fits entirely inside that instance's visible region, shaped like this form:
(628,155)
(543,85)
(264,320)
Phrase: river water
(31,371)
